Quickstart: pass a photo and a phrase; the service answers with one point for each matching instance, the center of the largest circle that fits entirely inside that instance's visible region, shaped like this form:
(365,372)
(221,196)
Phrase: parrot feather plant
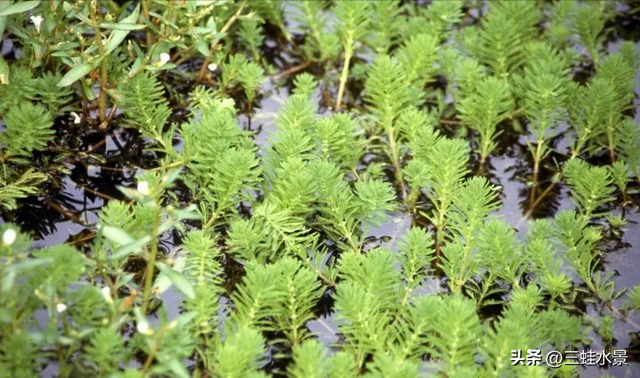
(319,189)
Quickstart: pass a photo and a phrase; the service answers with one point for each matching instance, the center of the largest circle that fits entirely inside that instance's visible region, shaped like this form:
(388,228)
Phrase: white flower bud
(37,22)
(143,188)
(61,307)
(9,236)
(212,66)
(76,118)
(164,58)
(143,328)
(106,293)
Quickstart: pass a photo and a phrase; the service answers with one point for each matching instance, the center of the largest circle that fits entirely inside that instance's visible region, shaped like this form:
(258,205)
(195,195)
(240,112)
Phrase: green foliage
(142,100)
(451,157)
(320,44)
(304,201)
(364,319)
(385,90)
(543,87)
(339,139)
(240,355)
(50,94)
(105,350)
(473,202)
(417,56)
(353,20)
(457,329)
(203,269)
(269,234)
(589,111)
(382,24)
(309,361)
(304,84)
(250,76)
(298,291)
(634,297)
(416,254)
(620,72)
(443,15)
(254,298)
(250,32)
(20,86)
(22,187)
(342,210)
(28,129)
(484,109)
(619,172)
(499,251)
(221,161)
(466,72)
(630,154)
(588,23)
(18,356)
(508,27)
(591,186)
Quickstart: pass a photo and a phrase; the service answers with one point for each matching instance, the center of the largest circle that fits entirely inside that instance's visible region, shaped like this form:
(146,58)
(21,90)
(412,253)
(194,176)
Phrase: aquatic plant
(233,233)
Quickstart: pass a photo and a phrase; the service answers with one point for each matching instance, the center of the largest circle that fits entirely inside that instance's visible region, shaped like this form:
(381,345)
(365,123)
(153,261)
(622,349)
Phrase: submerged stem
(395,160)
(348,52)
(148,277)
(537,158)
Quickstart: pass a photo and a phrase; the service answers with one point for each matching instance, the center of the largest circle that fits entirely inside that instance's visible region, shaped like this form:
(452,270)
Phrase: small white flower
(143,328)
(212,66)
(37,22)
(61,307)
(143,188)
(228,103)
(9,236)
(164,58)
(106,293)
(76,118)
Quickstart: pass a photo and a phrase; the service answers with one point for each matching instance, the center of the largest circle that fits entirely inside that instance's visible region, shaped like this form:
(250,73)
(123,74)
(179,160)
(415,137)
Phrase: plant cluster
(400,109)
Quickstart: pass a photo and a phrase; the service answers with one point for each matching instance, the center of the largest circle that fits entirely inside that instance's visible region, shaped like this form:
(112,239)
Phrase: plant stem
(349,236)
(145,13)
(207,60)
(461,276)
(536,163)
(536,170)
(486,285)
(148,277)
(154,350)
(451,122)
(514,113)
(623,317)
(395,159)
(536,203)
(293,70)
(348,52)
(211,221)
(62,365)
(102,111)
(612,155)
